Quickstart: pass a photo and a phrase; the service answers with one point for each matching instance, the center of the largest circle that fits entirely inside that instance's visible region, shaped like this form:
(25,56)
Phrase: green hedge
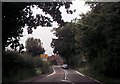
(21,66)
(15,67)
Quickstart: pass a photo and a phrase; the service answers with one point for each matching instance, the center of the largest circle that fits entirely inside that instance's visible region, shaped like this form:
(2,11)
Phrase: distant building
(55,59)
(51,58)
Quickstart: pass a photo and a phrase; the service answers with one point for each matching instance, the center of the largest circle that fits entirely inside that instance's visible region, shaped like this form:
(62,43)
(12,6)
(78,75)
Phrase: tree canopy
(95,38)
(17,15)
(34,46)
(65,43)
(101,37)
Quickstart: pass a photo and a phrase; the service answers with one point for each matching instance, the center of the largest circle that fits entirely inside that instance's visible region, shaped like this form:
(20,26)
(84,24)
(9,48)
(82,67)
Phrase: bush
(16,67)
(21,66)
(38,62)
(45,68)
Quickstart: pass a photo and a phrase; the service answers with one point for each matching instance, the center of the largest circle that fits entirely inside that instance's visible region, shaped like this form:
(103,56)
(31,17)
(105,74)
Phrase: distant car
(65,66)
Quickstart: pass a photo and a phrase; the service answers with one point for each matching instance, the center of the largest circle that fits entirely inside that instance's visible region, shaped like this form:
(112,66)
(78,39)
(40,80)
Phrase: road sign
(44,57)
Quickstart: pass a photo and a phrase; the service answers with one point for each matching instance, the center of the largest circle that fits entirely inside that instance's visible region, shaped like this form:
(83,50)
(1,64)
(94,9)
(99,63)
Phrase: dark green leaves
(34,46)
(17,15)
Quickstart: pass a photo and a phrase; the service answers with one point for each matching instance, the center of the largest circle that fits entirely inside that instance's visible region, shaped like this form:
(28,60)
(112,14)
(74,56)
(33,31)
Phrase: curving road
(66,76)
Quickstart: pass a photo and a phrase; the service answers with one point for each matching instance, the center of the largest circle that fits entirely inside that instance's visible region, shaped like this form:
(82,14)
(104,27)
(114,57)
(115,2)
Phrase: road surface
(65,76)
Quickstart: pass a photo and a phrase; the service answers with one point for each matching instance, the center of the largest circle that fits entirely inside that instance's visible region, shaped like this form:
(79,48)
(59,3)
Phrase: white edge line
(95,80)
(79,73)
(88,77)
(52,73)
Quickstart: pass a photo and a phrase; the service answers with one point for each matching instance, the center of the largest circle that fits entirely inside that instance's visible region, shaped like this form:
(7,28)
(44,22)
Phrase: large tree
(100,32)
(17,15)
(34,46)
(65,43)
(97,37)
(68,45)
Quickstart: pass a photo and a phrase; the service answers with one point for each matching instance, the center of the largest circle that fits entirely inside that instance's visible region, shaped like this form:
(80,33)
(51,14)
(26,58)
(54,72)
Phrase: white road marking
(95,80)
(79,73)
(88,77)
(66,80)
(66,73)
(52,73)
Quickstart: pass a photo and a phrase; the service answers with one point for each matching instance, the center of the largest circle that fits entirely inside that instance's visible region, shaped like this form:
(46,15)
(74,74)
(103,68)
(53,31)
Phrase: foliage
(38,62)
(15,67)
(45,68)
(17,15)
(21,66)
(34,46)
(99,77)
(100,38)
(65,43)
(96,35)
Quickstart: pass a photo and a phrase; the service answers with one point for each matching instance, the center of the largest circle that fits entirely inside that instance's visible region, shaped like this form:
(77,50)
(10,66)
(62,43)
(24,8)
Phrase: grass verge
(99,77)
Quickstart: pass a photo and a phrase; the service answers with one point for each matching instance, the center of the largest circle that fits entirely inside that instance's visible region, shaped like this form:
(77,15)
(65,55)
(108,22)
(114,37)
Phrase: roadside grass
(99,77)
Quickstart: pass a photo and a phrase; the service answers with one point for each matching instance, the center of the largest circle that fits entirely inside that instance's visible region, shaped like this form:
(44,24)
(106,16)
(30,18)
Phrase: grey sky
(44,33)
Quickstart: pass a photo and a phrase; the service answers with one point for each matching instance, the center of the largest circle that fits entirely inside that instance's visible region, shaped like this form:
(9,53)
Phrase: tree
(65,44)
(100,32)
(96,38)
(34,46)
(17,15)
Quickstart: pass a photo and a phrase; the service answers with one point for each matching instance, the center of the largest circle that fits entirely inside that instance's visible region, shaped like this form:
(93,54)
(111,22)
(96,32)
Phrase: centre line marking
(65,74)
(66,80)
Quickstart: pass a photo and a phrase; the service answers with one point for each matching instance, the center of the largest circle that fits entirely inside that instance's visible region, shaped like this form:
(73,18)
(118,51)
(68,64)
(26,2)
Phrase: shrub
(16,67)
(21,66)
(45,68)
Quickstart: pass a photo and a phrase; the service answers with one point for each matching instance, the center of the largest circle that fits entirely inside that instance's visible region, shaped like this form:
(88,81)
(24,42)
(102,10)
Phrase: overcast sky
(44,33)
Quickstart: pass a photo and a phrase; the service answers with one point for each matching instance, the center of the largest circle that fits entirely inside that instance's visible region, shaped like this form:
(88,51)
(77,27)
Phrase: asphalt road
(65,76)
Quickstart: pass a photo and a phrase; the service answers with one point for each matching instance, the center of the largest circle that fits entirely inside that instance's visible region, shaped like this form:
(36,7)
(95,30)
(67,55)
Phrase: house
(55,59)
